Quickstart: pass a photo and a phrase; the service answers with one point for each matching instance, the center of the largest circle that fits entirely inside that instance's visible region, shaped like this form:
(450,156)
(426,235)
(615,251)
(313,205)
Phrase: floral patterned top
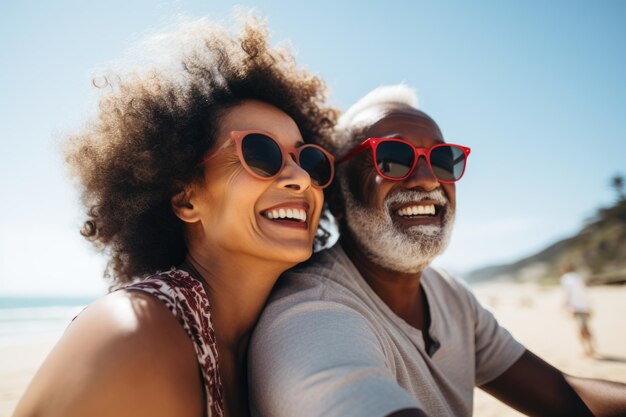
(185,297)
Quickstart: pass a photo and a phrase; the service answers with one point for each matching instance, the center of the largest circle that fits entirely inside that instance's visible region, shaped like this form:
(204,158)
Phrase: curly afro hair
(153,127)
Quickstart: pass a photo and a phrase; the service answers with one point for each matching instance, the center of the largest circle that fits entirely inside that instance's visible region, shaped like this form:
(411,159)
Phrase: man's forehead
(385,117)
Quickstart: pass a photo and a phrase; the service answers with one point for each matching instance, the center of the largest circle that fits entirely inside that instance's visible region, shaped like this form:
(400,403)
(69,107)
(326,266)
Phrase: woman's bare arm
(125,355)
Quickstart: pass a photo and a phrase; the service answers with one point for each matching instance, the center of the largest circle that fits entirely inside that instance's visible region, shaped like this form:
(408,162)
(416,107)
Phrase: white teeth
(417,210)
(290,213)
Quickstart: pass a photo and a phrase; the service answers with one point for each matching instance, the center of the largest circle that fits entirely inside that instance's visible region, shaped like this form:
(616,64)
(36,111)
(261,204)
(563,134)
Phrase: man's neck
(401,291)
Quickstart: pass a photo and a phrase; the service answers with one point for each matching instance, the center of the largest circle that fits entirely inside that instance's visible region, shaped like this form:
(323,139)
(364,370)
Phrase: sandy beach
(536,317)
(18,364)
(533,314)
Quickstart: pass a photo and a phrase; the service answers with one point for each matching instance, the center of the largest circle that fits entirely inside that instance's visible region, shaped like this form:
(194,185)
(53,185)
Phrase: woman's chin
(291,253)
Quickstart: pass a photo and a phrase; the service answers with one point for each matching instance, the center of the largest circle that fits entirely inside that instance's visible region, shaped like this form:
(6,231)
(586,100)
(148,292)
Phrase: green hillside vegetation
(598,251)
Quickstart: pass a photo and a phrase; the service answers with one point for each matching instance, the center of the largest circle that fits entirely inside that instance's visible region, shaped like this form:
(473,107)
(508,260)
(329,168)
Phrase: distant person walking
(577,301)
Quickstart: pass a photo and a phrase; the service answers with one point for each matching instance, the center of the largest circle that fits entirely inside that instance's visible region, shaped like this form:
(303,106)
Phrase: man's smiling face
(400,225)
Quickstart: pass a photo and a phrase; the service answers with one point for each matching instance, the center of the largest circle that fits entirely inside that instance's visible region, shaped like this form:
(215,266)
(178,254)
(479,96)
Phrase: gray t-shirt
(327,345)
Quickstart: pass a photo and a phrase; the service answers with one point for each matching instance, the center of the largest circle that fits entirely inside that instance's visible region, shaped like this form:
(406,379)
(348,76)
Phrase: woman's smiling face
(234,211)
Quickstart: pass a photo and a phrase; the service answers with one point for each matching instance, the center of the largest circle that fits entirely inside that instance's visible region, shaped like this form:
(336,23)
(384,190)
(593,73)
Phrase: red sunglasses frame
(373,143)
(238,136)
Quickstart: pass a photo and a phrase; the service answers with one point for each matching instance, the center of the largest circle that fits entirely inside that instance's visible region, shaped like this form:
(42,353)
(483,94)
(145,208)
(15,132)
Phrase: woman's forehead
(260,116)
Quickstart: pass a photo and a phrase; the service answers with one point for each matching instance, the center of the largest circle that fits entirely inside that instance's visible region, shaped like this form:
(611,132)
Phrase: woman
(203,168)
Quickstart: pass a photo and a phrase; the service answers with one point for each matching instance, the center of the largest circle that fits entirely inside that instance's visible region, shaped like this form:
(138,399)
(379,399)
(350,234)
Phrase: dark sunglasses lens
(317,165)
(261,154)
(448,162)
(394,159)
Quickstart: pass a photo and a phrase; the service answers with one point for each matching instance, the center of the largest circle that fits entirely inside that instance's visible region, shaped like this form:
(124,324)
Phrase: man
(366,328)
(577,303)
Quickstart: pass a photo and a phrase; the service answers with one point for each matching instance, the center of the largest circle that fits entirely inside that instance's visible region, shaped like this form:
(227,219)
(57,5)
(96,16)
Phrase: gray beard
(408,251)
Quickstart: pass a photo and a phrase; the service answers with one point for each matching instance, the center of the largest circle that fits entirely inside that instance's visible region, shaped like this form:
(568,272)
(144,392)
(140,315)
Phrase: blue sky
(536,89)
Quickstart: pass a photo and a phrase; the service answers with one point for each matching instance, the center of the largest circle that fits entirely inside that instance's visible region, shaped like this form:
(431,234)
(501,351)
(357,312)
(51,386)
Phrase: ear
(182,206)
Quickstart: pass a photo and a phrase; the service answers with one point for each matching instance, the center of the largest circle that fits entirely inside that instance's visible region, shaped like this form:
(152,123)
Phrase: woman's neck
(237,287)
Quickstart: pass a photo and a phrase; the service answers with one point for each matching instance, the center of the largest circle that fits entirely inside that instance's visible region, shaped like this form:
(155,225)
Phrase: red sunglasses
(264,157)
(395,159)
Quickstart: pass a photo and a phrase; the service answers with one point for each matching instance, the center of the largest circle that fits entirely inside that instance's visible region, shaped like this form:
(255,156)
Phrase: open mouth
(418,213)
(287,216)
(418,210)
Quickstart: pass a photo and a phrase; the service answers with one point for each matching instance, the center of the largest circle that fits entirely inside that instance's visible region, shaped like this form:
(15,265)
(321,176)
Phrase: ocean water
(33,318)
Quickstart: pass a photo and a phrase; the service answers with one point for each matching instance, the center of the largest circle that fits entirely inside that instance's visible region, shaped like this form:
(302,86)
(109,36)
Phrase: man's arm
(536,388)
(318,359)
(604,398)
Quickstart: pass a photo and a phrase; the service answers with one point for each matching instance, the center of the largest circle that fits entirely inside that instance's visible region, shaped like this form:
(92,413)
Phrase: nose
(422,177)
(293,176)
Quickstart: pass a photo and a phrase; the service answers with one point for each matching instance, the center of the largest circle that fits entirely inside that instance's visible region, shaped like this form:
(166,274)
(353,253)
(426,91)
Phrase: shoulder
(306,316)
(322,290)
(123,355)
(447,286)
(126,317)
(173,287)
(454,296)
(312,310)
(310,322)
(441,276)
(325,265)
(321,356)
(328,275)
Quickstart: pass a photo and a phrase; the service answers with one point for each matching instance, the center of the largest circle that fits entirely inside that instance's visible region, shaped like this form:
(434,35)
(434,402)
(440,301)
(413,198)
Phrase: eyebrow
(299,143)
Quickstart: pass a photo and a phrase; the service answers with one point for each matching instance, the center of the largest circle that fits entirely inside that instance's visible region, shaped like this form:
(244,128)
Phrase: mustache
(409,196)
